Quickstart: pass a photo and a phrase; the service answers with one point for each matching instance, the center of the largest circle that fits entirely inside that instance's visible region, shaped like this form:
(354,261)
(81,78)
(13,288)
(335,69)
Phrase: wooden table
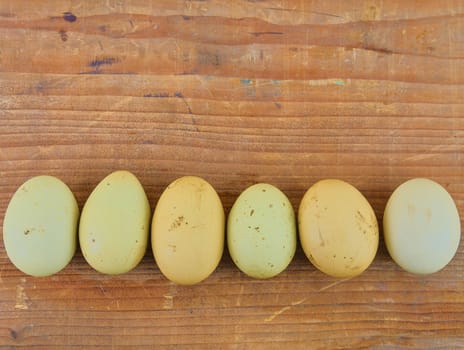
(238,92)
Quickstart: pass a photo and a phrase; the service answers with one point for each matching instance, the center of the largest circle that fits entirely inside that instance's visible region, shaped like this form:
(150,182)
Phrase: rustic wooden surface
(286,92)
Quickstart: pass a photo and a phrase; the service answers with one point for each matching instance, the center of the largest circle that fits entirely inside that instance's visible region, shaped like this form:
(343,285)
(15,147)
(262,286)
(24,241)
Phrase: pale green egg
(261,231)
(40,224)
(422,229)
(114,225)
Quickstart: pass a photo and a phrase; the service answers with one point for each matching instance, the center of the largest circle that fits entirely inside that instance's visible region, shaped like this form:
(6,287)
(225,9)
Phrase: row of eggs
(337,228)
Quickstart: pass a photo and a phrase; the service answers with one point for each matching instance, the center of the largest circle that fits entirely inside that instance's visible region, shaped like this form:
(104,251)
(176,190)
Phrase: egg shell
(422,229)
(40,225)
(261,231)
(115,223)
(188,230)
(338,228)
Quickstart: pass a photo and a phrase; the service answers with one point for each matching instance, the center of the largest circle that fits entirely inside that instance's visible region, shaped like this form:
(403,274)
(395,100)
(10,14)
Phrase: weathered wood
(286,92)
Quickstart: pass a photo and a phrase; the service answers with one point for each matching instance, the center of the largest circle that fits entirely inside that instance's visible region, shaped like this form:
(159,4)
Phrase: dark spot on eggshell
(360,216)
(177,223)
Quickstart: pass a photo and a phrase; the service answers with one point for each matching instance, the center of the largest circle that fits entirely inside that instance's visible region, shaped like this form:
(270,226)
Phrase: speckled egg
(338,228)
(40,224)
(261,231)
(188,230)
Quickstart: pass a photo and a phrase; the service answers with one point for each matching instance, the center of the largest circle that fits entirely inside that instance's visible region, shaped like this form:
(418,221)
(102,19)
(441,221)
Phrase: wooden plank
(286,92)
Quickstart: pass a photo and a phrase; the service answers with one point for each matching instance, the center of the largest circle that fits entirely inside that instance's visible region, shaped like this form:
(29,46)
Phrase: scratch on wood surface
(419,157)
(169,296)
(204,86)
(115,107)
(277,313)
(433,152)
(326,14)
(326,82)
(334,284)
(102,290)
(320,13)
(298,302)
(239,296)
(282,310)
(3,266)
(377,309)
(21,297)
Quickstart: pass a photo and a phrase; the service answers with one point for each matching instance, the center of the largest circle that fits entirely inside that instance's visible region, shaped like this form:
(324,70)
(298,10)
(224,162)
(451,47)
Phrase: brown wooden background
(286,92)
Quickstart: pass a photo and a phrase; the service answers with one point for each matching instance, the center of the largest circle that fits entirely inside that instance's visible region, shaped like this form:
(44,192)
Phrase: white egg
(421,225)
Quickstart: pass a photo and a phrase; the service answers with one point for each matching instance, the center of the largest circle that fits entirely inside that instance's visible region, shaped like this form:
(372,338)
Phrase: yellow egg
(114,225)
(422,229)
(188,230)
(338,228)
(40,224)
(261,231)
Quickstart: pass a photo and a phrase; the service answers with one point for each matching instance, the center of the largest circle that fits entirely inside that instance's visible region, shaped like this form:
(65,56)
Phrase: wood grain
(286,92)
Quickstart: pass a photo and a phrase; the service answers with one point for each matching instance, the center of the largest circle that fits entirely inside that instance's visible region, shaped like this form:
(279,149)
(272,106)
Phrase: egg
(422,229)
(40,225)
(261,231)
(188,230)
(338,228)
(114,225)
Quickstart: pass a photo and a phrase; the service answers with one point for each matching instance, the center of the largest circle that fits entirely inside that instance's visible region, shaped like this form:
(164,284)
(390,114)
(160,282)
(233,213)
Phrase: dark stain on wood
(266,33)
(63,35)
(69,17)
